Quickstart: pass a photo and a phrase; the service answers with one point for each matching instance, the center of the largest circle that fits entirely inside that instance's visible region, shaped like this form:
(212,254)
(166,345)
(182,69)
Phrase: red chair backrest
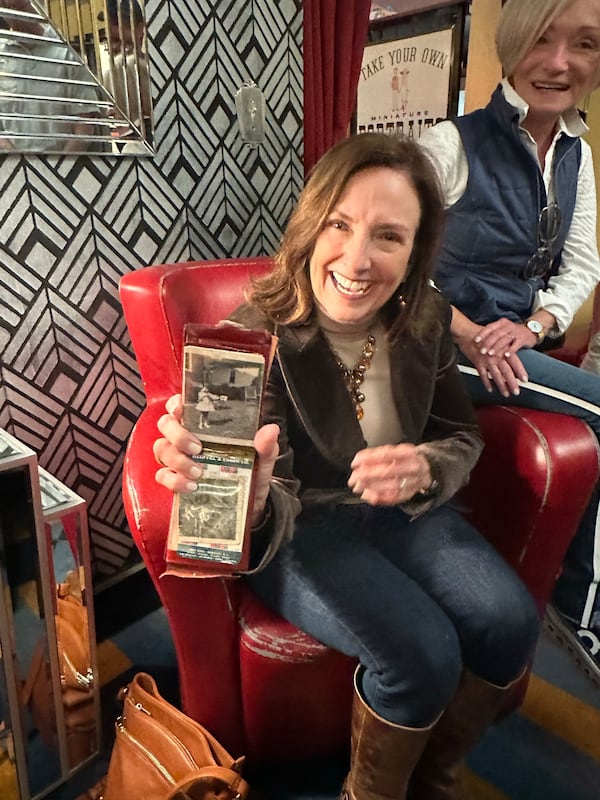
(171,295)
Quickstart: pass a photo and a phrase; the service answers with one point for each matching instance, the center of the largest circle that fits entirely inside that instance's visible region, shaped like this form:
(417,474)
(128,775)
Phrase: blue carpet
(525,762)
(549,750)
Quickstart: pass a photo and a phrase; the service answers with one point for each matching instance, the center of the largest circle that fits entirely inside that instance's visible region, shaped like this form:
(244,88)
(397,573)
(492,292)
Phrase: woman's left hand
(503,338)
(389,474)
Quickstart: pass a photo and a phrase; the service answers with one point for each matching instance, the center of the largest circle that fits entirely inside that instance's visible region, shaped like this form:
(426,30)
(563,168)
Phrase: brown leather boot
(383,755)
(472,709)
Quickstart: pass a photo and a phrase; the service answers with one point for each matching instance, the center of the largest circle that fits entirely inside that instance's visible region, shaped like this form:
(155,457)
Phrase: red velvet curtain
(335,33)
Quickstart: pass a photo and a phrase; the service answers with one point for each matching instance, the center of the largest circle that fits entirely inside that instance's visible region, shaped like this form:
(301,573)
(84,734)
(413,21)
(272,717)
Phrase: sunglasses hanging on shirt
(548,229)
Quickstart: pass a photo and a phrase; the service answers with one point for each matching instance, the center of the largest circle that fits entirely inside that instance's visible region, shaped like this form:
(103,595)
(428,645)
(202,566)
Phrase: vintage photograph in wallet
(212,519)
(222,393)
(224,376)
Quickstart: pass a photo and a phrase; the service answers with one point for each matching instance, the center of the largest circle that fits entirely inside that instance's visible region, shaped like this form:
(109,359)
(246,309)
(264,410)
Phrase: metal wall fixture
(74,77)
(250,108)
(49,688)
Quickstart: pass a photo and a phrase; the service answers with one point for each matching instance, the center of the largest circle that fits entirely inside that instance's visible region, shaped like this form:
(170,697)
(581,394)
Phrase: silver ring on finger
(402,483)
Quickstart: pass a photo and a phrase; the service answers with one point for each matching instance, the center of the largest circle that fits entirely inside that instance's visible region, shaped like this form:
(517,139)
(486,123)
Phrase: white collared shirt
(579,270)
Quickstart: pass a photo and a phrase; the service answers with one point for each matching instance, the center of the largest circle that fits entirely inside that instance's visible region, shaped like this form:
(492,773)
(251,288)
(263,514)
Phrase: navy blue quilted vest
(492,231)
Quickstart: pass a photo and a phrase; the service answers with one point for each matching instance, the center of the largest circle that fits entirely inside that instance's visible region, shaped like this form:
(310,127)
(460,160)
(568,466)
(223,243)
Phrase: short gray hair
(521,25)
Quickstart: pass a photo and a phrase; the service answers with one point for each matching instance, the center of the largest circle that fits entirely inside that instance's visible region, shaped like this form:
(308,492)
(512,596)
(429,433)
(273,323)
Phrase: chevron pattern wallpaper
(70,227)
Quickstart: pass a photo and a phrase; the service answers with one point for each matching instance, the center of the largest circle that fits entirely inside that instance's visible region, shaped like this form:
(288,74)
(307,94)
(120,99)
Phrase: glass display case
(49,694)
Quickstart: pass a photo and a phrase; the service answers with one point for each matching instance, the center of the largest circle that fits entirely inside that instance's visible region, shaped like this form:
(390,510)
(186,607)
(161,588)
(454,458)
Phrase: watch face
(535,326)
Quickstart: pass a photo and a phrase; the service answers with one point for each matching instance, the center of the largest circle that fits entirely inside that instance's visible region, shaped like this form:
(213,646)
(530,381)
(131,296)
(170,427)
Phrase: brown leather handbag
(76,675)
(76,680)
(161,754)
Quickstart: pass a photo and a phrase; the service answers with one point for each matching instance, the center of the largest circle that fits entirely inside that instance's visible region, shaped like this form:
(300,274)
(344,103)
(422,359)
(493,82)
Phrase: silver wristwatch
(537,328)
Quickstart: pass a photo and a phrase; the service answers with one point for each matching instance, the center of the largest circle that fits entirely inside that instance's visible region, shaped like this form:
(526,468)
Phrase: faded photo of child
(205,404)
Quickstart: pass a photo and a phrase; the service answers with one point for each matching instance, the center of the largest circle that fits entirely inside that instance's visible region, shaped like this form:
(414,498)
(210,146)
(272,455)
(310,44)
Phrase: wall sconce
(250,107)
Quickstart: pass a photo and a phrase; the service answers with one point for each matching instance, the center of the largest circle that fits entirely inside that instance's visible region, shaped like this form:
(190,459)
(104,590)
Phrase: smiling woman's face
(562,66)
(361,256)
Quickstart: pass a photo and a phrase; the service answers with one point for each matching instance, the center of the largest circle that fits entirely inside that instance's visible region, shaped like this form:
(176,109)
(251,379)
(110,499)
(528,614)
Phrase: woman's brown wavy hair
(285,295)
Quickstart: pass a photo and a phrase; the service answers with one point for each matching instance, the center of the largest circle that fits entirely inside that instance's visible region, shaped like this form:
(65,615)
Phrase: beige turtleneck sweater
(380,423)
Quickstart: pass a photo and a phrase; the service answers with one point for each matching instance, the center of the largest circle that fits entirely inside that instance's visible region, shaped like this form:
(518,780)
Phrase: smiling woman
(367,433)
(519,255)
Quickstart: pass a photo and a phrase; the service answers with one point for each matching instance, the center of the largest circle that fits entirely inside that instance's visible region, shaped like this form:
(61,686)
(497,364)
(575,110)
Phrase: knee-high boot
(383,755)
(472,709)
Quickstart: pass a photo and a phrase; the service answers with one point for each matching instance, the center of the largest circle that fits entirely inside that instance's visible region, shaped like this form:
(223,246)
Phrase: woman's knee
(505,633)
(414,682)
(512,614)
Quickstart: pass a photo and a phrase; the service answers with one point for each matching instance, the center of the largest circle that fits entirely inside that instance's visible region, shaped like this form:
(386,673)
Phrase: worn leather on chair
(257,683)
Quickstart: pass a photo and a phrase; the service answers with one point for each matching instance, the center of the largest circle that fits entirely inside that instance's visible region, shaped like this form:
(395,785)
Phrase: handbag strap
(233,780)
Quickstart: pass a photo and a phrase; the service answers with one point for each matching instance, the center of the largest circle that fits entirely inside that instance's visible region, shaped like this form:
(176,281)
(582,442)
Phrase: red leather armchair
(260,685)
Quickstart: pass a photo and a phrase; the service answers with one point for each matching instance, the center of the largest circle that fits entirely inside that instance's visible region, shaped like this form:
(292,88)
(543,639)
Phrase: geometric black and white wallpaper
(70,227)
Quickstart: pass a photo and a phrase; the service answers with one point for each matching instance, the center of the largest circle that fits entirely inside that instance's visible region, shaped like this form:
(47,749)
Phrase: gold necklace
(354,377)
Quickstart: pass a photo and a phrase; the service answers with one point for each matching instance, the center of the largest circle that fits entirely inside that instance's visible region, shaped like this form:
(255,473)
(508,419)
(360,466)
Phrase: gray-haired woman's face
(562,66)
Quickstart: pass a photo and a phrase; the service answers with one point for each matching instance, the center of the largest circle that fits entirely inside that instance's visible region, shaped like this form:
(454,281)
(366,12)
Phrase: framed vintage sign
(411,70)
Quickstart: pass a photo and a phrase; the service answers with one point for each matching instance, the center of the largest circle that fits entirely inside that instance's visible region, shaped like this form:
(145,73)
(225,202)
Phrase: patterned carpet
(549,750)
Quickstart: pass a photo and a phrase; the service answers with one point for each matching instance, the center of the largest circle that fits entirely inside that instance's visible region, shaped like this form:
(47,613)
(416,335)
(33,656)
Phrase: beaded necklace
(354,377)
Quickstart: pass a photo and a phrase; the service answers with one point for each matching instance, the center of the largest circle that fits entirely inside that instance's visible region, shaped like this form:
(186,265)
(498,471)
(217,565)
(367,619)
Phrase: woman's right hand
(175,449)
(179,473)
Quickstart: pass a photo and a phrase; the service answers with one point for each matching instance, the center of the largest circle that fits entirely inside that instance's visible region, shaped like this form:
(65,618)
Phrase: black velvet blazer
(306,396)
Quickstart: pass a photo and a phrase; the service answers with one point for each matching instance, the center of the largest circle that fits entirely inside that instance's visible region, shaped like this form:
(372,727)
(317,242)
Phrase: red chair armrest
(202,613)
(530,488)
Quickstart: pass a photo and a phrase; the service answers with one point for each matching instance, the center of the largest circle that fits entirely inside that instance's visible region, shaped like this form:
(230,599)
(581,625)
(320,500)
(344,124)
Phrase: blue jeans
(415,602)
(556,386)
